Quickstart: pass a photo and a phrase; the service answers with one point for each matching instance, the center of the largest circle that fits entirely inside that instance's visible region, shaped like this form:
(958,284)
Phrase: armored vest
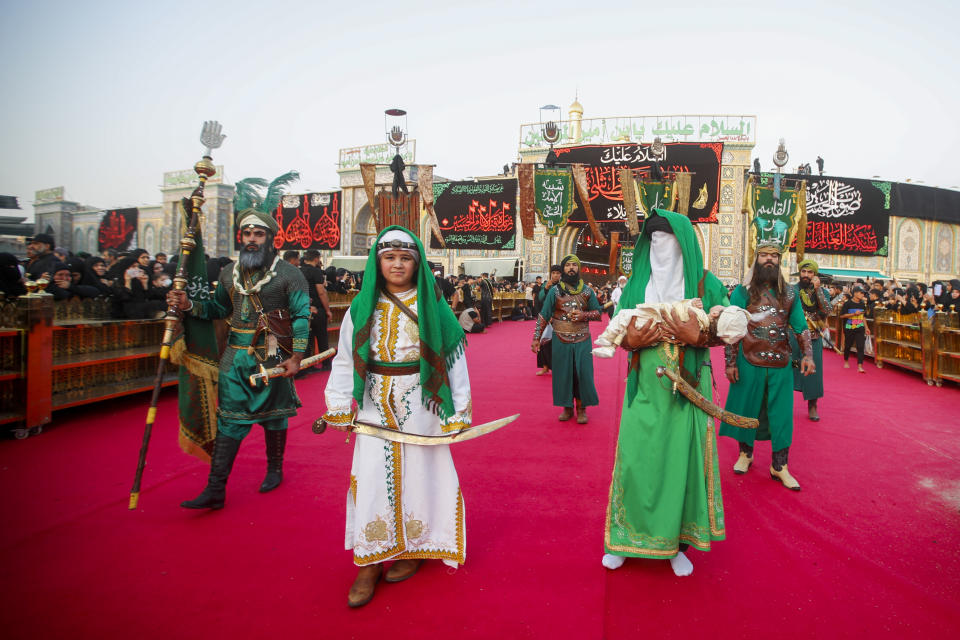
(766,343)
(563,327)
(816,312)
(273,295)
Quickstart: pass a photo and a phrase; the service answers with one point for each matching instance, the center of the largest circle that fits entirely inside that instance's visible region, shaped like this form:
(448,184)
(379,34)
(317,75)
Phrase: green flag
(554,198)
(197,354)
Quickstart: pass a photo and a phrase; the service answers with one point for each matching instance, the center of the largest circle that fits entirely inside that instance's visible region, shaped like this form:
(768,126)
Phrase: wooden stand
(46,365)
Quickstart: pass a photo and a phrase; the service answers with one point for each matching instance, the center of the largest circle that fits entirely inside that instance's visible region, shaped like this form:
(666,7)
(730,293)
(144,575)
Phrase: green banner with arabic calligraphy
(774,221)
(626,261)
(554,198)
(656,195)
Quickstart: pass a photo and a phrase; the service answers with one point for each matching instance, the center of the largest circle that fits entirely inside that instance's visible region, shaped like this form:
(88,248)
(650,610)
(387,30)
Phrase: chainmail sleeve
(539,329)
(730,354)
(823,300)
(806,343)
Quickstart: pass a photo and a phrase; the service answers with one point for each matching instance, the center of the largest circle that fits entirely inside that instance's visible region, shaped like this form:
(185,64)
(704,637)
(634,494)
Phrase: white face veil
(666,269)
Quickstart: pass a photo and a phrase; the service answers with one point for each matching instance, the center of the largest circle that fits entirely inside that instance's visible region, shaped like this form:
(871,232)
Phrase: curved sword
(367,429)
(699,401)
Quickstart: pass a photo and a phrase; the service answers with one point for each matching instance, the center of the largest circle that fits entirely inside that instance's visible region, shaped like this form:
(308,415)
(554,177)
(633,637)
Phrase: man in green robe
(665,491)
(568,308)
(758,367)
(268,308)
(815,301)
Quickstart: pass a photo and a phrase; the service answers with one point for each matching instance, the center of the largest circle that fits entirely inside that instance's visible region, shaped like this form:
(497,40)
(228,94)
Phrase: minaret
(576,119)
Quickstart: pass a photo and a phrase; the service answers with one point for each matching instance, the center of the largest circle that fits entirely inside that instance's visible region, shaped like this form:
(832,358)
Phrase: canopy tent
(500,267)
(354,264)
(852,274)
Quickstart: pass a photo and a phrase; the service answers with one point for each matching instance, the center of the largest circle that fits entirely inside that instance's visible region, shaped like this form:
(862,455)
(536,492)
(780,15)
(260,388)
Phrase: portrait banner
(476,214)
(553,189)
(118,230)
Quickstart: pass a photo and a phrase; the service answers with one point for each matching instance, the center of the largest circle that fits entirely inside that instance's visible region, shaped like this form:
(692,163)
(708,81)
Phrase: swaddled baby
(731,322)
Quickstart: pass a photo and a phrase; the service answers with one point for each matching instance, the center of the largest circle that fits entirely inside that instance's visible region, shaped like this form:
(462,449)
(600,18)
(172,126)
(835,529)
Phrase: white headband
(397,239)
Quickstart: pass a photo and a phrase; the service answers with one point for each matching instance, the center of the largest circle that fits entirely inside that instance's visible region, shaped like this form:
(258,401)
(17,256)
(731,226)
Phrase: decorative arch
(944,241)
(150,240)
(92,243)
(909,245)
(79,241)
(364,232)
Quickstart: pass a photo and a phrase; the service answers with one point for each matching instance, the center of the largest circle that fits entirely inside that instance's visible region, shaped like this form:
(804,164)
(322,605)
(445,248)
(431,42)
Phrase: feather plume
(247,193)
(276,189)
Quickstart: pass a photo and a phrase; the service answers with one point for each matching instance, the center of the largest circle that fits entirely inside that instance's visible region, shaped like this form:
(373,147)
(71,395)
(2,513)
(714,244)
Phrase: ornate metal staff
(211,138)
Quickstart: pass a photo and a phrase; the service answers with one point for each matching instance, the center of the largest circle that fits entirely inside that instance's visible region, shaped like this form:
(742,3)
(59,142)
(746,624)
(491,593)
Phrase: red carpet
(868,548)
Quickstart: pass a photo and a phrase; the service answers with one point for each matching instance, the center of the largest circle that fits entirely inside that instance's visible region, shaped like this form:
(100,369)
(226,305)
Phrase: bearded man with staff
(268,308)
(400,372)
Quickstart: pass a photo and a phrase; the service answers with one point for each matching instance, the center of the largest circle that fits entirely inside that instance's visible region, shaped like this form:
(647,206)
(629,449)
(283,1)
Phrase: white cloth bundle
(731,322)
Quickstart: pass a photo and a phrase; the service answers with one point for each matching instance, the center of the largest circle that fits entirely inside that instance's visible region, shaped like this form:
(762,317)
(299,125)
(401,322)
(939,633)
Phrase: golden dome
(576,107)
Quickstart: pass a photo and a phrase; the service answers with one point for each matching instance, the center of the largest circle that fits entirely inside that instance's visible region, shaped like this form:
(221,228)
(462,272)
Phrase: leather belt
(391,369)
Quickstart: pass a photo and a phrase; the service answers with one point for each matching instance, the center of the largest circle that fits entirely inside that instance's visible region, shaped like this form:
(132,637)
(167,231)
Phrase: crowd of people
(137,284)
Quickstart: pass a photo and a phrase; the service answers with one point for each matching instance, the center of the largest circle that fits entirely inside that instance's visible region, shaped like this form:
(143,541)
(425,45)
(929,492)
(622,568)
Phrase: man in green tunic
(268,308)
(816,307)
(569,307)
(665,491)
(758,367)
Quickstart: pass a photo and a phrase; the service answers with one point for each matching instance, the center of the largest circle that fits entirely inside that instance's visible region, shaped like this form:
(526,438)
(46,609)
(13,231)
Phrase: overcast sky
(103,97)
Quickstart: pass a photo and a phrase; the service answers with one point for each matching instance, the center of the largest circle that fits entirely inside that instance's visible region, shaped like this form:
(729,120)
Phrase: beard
(570,279)
(251,259)
(805,282)
(768,273)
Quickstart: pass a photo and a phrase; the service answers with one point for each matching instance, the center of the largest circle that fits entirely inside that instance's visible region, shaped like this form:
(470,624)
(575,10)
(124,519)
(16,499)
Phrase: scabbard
(698,400)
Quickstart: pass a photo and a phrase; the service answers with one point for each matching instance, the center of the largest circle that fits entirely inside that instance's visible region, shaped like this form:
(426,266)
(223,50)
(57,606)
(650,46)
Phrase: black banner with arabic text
(118,230)
(603,164)
(846,215)
(476,215)
(306,221)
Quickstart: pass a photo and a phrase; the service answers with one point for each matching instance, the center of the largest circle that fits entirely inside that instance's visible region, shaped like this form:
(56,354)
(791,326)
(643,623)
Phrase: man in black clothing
(537,286)
(41,256)
(854,327)
(320,314)
(486,299)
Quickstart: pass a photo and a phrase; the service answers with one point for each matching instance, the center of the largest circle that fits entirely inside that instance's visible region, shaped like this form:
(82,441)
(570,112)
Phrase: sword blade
(304,364)
(376,431)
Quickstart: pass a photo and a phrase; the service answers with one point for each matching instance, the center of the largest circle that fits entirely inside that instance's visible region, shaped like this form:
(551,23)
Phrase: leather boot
(402,569)
(276,444)
(566,414)
(812,411)
(745,460)
(363,587)
(778,470)
(213,495)
(581,414)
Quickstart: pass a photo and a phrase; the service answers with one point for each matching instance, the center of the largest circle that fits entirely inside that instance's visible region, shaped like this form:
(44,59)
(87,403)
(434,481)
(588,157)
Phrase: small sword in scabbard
(377,431)
(265,374)
(697,399)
